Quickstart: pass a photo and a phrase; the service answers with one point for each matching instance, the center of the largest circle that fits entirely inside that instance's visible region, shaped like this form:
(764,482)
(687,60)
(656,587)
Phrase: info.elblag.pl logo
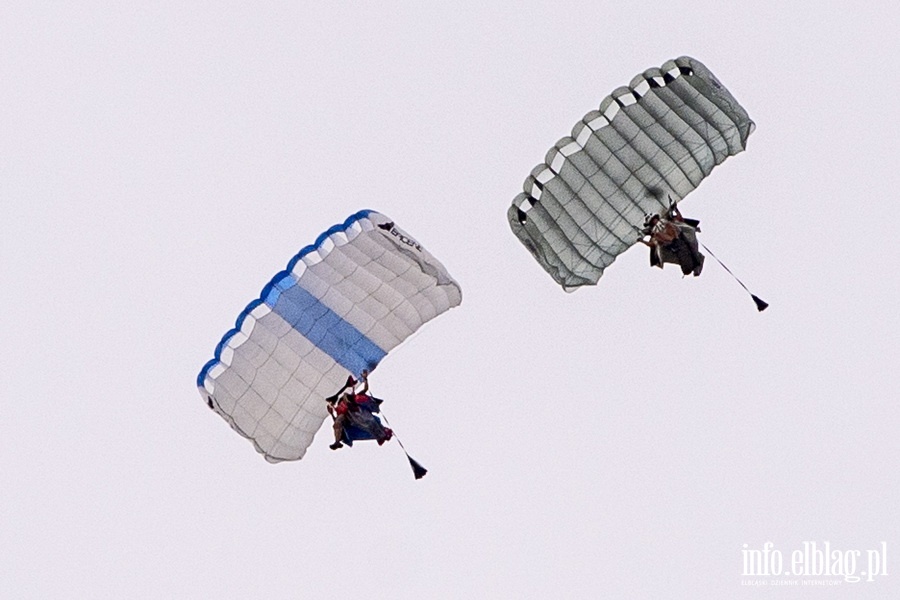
(811,564)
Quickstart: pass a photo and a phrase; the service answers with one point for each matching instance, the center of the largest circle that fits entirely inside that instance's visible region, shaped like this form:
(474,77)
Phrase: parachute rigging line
(418,470)
(761,304)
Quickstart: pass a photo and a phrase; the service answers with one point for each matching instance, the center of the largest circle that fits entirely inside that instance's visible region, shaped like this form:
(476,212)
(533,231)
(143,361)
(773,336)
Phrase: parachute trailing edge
(341,305)
(649,143)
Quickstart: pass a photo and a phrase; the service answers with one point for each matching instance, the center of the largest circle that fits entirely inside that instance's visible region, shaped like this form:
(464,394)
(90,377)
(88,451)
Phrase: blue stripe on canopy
(271,293)
(324,328)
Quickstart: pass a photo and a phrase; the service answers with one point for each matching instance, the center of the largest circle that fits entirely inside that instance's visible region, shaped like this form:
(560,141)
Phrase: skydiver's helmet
(649,220)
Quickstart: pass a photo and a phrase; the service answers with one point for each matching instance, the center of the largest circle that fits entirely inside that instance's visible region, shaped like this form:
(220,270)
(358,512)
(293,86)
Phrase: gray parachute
(650,143)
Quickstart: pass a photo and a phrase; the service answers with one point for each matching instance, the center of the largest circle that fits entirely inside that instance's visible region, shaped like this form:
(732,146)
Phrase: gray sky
(159,163)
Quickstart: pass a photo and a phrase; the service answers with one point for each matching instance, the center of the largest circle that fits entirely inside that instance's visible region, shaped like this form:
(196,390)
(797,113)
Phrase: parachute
(650,144)
(341,305)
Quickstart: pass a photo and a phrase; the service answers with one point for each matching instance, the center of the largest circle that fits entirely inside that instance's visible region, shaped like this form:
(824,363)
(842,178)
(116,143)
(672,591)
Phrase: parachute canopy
(650,143)
(341,305)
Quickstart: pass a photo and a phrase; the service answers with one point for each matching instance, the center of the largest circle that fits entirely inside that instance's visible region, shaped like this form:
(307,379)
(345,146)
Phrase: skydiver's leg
(689,236)
(366,420)
(338,432)
(681,253)
(654,257)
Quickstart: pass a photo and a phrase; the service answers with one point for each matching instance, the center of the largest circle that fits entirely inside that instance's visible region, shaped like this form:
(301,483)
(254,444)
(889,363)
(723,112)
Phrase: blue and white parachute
(341,305)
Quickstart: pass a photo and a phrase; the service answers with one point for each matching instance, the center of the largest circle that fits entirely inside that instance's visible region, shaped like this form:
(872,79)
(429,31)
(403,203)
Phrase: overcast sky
(159,162)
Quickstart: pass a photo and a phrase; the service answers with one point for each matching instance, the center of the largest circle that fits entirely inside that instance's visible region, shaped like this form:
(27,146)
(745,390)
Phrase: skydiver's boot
(699,262)
(336,445)
(388,434)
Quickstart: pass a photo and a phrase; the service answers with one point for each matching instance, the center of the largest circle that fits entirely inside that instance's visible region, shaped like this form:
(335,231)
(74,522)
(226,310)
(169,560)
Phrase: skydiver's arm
(365,380)
(350,383)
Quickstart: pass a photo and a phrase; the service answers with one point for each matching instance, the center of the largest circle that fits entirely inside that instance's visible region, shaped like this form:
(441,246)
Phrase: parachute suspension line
(418,470)
(761,304)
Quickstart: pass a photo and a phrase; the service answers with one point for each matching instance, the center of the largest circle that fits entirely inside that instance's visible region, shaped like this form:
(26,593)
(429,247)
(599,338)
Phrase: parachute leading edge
(650,142)
(341,305)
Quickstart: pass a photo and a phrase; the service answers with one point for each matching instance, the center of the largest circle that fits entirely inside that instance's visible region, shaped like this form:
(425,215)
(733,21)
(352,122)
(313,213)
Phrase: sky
(160,161)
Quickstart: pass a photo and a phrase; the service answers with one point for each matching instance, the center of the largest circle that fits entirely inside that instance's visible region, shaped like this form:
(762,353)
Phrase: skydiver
(673,239)
(349,407)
